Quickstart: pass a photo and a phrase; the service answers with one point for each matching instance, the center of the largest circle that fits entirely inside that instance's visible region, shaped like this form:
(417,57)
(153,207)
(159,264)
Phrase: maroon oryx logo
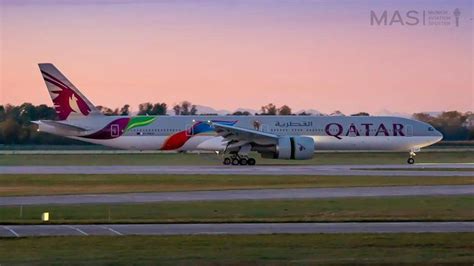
(65,100)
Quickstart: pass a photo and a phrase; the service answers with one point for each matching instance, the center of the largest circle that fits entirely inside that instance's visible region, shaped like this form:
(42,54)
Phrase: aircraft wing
(238,136)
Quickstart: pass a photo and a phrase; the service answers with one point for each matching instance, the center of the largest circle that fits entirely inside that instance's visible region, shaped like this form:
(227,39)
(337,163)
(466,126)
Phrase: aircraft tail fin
(68,101)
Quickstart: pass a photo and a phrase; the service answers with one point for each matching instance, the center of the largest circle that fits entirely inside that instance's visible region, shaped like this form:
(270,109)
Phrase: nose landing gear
(236,159)
(411,159)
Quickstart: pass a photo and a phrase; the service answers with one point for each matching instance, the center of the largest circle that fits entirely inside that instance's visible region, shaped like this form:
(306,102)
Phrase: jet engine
(291,148)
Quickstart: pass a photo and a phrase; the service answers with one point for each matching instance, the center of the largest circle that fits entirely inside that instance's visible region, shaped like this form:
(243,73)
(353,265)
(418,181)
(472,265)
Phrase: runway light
(45,216)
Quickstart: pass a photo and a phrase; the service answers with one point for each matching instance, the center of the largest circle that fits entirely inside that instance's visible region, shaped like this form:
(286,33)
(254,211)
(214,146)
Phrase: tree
(125,110)
(27,112)
(45,112)
(304,113)
(450,124)
(159,109)
(12,111)
(10,131)
(241,113)
(361,114)
(177,109)
(152,109)
(145,108)
(424,117)
(107,111)
(185,108)
(3,113)
(269,109)
(453,118)
(284,110)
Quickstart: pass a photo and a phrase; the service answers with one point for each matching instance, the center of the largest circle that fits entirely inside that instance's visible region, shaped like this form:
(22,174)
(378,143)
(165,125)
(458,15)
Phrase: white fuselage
(328,132)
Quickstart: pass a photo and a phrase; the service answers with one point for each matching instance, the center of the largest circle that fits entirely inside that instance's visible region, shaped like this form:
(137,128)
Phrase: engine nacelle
(292,148)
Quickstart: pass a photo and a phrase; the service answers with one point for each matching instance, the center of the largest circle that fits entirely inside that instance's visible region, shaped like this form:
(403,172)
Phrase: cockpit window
(430,129)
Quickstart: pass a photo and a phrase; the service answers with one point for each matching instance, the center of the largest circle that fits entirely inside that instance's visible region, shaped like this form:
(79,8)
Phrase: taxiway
(367,170)
(237,228)
(249,194)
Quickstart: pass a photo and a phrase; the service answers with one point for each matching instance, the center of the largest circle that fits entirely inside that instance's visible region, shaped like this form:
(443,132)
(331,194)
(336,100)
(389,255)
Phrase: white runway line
(11,231)
(77,229)
(112,230)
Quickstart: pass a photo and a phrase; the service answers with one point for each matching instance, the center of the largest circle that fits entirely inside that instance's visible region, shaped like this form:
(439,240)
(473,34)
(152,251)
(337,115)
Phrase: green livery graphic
(139,121)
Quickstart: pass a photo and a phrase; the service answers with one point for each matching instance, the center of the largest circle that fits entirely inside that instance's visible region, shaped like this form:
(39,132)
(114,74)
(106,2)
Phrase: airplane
(277,137)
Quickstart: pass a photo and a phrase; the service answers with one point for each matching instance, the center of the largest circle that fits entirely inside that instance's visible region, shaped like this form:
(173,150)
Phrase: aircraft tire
(235,161)
(251,161)
(411,161)
(227,161)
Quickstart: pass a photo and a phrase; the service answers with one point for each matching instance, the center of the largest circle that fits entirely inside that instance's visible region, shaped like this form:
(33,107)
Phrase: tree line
(16,126)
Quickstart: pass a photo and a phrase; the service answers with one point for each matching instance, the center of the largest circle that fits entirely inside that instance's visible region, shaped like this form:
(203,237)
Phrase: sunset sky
(322,55)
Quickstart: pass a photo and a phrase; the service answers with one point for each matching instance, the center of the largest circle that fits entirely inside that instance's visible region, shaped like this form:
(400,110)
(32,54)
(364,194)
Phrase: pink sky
(321,55)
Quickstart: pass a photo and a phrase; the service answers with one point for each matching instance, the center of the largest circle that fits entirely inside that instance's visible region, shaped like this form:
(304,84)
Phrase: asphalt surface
(239,228)
(372,170)
(250,194)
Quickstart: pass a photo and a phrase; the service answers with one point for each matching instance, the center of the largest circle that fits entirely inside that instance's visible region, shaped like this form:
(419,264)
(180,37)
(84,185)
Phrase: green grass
(427,208)
(25,184)
(375,249)
(210,159)
(421,169)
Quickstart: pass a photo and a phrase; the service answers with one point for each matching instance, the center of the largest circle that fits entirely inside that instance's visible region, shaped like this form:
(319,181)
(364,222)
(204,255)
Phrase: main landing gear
(236,159)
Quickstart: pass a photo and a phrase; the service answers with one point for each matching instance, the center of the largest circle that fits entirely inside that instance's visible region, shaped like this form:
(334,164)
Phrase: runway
(346,170)
(250,194)
(233,229)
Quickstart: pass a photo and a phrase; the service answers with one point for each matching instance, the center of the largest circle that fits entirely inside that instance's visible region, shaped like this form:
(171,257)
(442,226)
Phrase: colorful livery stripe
(177,140)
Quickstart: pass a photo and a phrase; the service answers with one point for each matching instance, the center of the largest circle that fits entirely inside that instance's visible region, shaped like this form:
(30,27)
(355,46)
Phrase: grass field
(435,208)
(312,249)
(11,185)
(421,169)
(211,159)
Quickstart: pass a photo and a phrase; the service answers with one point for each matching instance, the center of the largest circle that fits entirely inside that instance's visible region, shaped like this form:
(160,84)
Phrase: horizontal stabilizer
(60,126)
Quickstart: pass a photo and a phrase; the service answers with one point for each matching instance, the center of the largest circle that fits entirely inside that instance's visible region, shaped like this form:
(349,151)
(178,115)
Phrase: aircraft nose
(439,136)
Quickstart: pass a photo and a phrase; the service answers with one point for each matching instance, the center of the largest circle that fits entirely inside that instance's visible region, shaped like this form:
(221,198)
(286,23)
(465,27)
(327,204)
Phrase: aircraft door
(114,130)
(189,128)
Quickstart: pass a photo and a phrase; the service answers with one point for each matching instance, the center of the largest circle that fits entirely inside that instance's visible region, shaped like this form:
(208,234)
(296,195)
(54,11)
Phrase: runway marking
(11,231)
(77,229)
(209,233)
(112,230)
(253,229)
